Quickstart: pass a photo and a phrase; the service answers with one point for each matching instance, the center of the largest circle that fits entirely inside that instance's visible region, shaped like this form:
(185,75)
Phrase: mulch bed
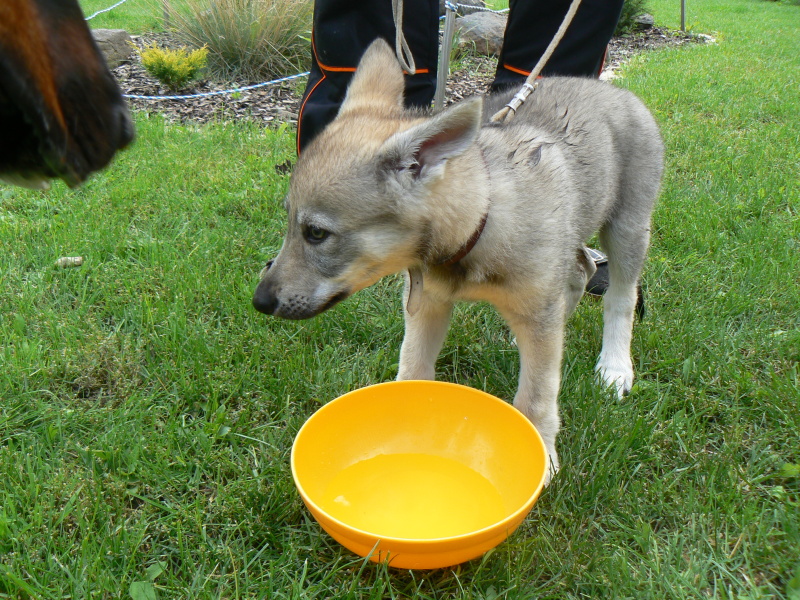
(280,102)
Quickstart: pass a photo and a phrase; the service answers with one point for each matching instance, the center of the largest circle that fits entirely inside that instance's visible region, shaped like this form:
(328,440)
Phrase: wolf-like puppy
(475,211)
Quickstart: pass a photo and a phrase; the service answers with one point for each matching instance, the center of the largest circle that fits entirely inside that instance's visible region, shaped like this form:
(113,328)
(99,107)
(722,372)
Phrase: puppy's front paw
(552,466)
(616,373)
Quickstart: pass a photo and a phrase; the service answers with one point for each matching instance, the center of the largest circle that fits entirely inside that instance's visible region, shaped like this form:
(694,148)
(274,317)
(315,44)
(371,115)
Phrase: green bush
(630,11)
(249,39)
(174,68)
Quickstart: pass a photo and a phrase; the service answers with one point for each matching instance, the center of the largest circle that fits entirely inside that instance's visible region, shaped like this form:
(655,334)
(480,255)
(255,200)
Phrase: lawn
(147,411)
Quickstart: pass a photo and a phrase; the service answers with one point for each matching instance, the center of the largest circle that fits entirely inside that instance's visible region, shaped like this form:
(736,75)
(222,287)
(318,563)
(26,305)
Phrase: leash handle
(507,113)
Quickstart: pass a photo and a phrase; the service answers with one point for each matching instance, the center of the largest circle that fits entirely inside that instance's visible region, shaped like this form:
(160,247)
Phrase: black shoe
(598,284)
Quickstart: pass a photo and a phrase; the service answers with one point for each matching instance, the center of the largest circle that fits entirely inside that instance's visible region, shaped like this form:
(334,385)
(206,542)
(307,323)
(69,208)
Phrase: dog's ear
(378,81)
(421,152)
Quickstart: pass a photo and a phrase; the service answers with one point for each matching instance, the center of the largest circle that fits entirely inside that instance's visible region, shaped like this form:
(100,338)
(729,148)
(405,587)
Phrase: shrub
(173,68)
(249,39)
(630,11)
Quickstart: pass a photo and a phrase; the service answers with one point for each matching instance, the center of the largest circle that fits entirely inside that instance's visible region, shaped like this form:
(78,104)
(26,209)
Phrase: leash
(401,47)
(507,113)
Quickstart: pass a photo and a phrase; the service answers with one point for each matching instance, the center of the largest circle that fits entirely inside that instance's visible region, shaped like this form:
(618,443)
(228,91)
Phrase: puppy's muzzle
(272,298)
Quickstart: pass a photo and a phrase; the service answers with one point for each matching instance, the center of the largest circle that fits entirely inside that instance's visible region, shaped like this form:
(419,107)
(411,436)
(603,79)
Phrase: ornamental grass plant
(253,40)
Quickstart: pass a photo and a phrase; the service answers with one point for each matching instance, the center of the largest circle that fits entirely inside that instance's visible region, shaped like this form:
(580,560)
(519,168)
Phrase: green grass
(135,16)
(147,412)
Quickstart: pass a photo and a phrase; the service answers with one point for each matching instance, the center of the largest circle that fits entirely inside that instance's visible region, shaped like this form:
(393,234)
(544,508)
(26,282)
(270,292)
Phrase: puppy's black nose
(264,300)
(266,305)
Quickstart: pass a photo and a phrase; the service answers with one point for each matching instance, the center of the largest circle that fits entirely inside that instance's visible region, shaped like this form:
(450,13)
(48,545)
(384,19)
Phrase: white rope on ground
(502,11)
(483,8)
(105,10)
(218,93)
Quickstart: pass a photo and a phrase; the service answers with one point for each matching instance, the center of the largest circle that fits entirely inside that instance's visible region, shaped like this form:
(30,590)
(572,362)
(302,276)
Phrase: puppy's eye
(316,235)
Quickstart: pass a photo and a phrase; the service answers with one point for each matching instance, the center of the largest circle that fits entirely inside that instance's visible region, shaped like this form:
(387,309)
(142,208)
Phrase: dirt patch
(280,102)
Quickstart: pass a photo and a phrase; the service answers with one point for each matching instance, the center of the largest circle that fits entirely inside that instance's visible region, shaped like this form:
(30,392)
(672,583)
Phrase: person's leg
(342,31)
(532,24)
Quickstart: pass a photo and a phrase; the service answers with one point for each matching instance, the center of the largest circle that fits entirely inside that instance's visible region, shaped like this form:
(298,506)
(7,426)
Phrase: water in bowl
(413,496)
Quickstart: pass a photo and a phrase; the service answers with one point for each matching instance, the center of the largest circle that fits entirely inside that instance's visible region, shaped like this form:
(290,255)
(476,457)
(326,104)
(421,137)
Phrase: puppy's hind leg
(425,332)
(626,248)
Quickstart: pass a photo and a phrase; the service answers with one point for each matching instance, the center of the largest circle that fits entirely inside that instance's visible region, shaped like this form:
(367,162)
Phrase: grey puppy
(476,211)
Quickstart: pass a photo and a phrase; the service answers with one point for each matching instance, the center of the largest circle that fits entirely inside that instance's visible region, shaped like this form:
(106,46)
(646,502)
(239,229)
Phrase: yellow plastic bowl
(423,474)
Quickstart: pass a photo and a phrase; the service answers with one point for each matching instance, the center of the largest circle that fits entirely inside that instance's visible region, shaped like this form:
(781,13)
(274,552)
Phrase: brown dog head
(61,112)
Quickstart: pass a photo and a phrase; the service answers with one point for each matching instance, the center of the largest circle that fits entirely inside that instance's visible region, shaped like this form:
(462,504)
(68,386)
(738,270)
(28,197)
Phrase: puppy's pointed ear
(378,81)
(421,152)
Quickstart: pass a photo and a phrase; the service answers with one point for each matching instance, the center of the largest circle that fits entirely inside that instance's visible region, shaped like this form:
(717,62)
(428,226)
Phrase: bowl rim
(511,522)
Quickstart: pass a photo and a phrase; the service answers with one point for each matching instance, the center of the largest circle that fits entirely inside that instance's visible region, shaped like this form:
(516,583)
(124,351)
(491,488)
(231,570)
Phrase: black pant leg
(532,24)
(343,29)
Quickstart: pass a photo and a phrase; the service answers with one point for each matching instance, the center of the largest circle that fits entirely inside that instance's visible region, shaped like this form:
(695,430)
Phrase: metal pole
(683,15)
(444,57)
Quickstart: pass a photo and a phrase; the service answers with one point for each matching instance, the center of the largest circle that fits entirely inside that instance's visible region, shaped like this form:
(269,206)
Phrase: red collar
(468,245)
